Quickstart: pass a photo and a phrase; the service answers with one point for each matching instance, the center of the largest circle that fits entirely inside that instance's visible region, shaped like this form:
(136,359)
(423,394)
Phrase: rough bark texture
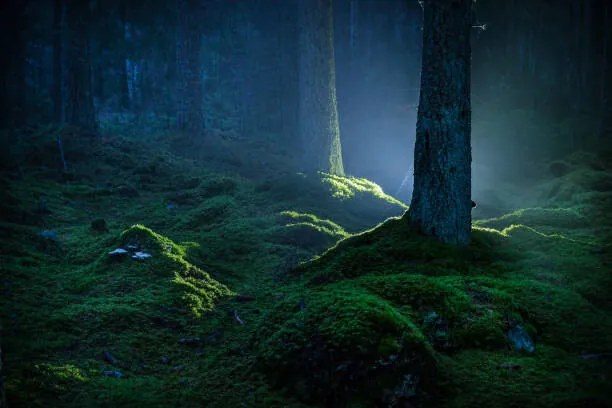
(441,202)
(189,68)
(80,109)
(318,112)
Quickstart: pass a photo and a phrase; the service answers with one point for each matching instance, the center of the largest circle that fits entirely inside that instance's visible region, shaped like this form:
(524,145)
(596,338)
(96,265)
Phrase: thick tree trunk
(318,112)
(441,202)
(189,68)
(80,109)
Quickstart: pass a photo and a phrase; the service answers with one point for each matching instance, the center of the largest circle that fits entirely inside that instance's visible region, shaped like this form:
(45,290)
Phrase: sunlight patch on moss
(345,188)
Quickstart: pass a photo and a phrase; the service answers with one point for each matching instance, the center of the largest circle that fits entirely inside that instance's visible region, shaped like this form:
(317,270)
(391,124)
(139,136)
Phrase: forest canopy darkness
(206,203)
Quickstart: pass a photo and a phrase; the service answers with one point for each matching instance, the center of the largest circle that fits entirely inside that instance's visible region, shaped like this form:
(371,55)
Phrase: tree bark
(80,110)
(318,125)
(189,68)
(12,70)
(58,66)
(441,201)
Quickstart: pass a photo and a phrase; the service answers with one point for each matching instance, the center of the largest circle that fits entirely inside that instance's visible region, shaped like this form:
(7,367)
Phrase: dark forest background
(540,75)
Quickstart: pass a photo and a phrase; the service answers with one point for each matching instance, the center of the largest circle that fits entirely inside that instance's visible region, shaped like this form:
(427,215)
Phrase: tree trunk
(189,68)
(58,70)
(80,109)
(441,201)
(318,112)
(606,109)
(12,69)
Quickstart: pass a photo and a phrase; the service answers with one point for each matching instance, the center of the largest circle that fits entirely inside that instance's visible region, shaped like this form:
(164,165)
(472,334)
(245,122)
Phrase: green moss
(341,344)
(350,187)
(538,217)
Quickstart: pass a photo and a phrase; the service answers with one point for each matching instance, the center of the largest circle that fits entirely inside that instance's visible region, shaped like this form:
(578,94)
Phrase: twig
(237,317)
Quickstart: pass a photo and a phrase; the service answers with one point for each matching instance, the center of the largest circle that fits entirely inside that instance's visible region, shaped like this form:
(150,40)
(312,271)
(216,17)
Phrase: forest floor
(226,312)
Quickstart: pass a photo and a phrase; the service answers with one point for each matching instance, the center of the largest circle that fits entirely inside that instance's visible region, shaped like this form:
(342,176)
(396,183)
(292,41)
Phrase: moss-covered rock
(343,345)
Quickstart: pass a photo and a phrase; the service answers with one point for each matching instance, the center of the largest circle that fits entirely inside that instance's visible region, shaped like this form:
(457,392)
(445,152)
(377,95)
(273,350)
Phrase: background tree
(12,70)
(189,67)
(318,126)
(441,200)
(80,110)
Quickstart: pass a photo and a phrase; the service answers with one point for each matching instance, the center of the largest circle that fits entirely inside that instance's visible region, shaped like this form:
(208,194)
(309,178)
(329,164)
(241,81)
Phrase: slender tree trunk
(12,70)
(124,89)
(80,109)
(441,200)
(189,68)
(58,70)
(606,109)
(318,125)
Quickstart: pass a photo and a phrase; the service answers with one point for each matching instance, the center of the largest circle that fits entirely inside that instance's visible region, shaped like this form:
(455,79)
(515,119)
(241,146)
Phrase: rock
(99,225)
(112,373)
(190,341)
(49,235)
(117,253)
(520,339)
(141,255)
(132,247)
(109,358)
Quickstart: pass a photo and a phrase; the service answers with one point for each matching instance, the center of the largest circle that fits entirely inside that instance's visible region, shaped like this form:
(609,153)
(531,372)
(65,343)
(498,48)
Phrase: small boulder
(141,255)
(117,253)
(520,339)
(109,358)
(49,235)
(112,373)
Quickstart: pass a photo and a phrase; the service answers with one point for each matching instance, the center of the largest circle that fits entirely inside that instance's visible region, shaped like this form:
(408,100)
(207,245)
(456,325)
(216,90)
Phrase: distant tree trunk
(12,70)
(318,112)
(124,89)
(58,70)
(189,116)
(441,201)
(80,110)
(606,103)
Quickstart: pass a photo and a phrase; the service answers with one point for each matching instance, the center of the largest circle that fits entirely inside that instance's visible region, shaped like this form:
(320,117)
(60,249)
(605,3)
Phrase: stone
(520,339)
(109,358)
(49,235)
(141,255)
(119,252)
(112,373)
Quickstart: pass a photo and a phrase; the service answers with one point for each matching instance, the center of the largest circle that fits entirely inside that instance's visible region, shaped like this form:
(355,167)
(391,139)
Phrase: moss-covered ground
(227,312)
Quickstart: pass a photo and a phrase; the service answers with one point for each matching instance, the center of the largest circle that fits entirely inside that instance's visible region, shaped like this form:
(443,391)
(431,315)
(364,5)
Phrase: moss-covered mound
(343,345)
(511,305)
